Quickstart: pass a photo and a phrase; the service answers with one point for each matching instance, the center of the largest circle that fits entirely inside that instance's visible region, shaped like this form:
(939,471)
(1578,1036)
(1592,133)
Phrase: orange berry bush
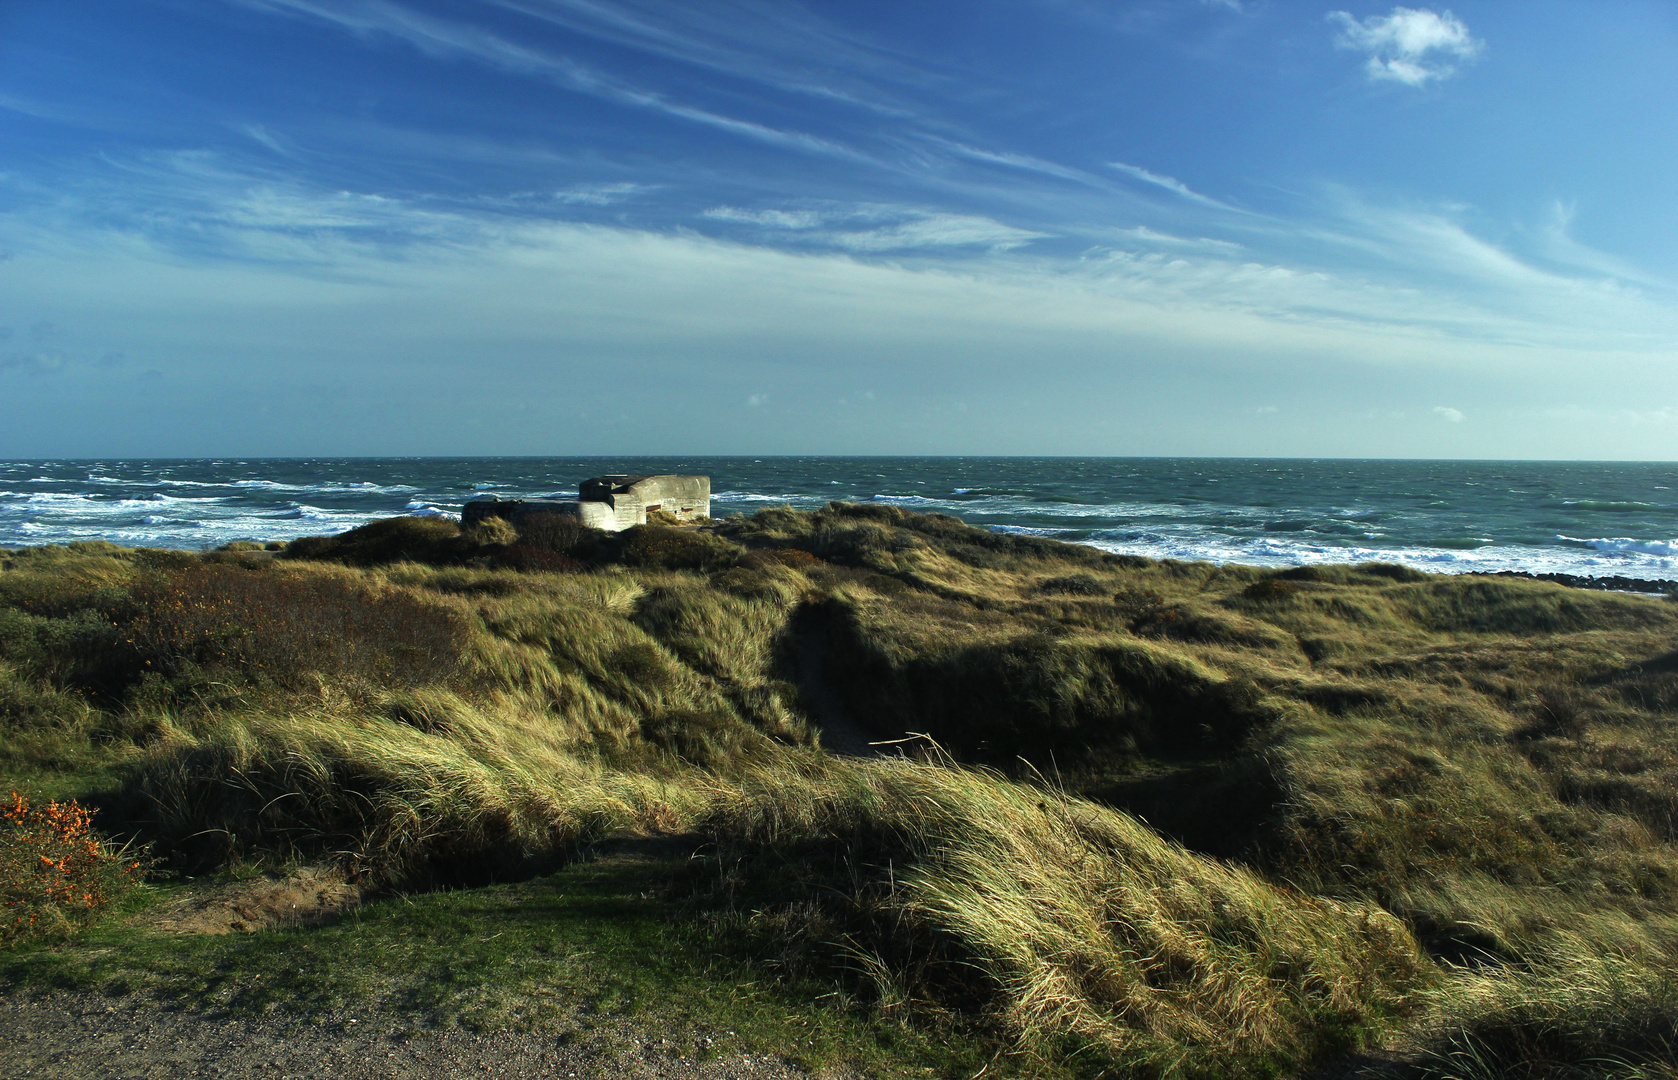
(56,872)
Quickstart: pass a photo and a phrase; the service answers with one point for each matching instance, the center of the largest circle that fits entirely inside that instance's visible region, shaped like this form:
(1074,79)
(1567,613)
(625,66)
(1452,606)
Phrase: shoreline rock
(1613,583)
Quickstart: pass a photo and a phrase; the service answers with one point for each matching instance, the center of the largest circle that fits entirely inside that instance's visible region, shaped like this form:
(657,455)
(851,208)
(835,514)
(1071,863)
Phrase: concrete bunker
(613,502)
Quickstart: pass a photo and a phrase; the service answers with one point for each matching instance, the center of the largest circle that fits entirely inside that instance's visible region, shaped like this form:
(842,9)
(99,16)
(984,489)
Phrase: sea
(1583,518)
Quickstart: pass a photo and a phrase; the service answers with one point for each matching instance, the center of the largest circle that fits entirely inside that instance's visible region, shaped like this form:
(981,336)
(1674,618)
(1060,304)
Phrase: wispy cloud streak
(1168,183)
(439,38)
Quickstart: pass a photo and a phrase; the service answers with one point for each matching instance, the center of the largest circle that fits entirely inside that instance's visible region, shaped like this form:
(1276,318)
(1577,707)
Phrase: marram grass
(1081,927)
(1443,805)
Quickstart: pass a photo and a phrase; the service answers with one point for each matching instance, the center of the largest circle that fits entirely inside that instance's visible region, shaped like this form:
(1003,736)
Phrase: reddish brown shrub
(284,627)
(535,559)
(796,558)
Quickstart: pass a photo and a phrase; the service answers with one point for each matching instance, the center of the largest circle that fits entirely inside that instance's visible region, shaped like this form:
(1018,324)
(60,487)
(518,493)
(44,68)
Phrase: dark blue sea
(1581,518)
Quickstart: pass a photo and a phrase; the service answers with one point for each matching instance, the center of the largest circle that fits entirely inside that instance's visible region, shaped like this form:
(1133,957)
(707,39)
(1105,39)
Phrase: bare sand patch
(312,896)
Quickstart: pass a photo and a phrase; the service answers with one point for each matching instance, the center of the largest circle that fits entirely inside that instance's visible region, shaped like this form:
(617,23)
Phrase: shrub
(657,547)
(83,650)
(1270,589)
(491,532)
(1072,585)
(560,534)
(538,560)
(1391,571)
(415,539)
(792,558)
(56,873)
(283,627)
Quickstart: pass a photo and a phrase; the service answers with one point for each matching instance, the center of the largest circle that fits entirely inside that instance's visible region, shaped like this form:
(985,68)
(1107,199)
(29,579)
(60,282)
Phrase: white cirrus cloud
(1445,412)
(878,228)
(1141,234)
(1169,183)
(934,230)
(773,219)
(1412,46)
(600,194)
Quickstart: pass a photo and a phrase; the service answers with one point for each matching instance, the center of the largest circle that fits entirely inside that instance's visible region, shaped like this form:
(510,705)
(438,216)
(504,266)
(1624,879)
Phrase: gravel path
(67,1036)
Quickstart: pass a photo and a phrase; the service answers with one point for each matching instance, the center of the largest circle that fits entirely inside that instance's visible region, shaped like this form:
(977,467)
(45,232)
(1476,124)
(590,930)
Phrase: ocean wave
(1281,550)
(1608,506)
(1626,544)
(364,488)
(158,497)
(266,485)
(301,512)
(57,502)
(358,487)
(753,497)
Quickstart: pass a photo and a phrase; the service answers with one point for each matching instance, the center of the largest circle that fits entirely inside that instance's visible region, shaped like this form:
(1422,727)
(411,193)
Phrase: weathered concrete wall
(687,497)
(613,518)
(612,503)
(630,497)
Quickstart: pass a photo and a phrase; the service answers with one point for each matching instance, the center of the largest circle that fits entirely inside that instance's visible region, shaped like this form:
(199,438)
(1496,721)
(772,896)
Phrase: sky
(1127,227)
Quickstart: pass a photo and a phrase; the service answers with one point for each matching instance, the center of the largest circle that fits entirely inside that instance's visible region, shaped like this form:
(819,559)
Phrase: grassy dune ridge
(1166,817)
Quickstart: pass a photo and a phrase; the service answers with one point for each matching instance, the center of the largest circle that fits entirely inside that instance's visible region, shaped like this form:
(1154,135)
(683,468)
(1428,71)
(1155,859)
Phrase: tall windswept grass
(1583,1011)
(1074,926)
(1493,762)
(436,789)
(1066,924)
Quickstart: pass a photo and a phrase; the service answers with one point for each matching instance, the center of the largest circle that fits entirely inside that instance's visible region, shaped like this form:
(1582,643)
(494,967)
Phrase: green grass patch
(590,953)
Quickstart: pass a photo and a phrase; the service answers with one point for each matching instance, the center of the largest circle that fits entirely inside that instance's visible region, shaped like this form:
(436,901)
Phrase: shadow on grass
(587,954)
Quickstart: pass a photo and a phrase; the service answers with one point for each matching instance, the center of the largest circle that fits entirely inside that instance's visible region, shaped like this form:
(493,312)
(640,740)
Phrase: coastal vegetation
(1094,814)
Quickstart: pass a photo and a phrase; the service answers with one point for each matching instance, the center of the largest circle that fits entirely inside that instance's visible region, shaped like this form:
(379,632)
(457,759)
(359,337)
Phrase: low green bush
(658,547)
(401,539)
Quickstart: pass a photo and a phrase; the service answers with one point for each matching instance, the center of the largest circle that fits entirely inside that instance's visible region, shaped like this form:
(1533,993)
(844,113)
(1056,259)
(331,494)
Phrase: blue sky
(300,227)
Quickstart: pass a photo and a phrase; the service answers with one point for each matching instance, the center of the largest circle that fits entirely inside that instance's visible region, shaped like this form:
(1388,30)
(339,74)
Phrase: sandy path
(73,1036)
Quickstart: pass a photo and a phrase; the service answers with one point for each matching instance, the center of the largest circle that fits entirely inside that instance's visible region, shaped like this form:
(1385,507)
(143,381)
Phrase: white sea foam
(753,497)
(1626,544)
(1293,551)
